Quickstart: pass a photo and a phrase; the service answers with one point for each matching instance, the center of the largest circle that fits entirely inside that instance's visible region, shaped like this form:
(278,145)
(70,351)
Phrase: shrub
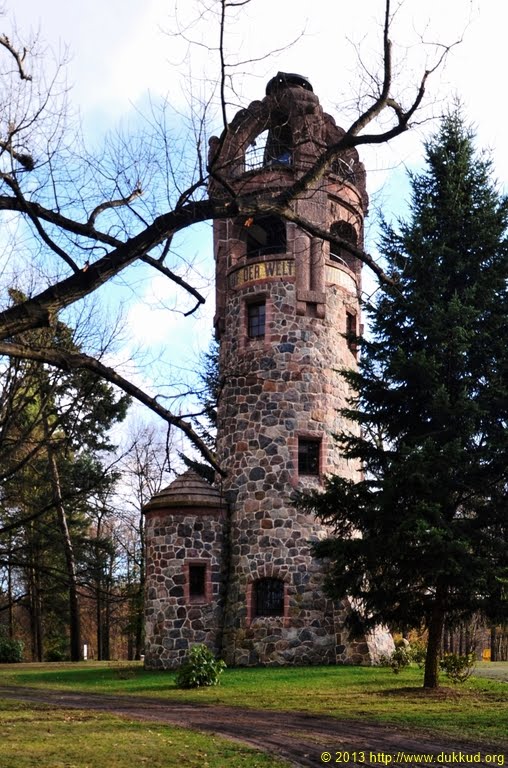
(458,668)
(200,668)
(418,653)
(398,660)
(11,651)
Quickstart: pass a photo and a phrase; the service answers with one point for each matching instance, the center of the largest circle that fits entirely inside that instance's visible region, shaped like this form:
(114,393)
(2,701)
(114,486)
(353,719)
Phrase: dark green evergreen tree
(205,421)
(423,537)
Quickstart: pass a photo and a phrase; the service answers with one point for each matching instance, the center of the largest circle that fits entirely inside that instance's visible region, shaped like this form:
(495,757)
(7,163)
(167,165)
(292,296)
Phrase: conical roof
(188,490)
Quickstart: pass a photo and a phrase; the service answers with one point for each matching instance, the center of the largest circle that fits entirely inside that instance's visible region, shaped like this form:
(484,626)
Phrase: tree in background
(55,428)
(424,536)
(146,468)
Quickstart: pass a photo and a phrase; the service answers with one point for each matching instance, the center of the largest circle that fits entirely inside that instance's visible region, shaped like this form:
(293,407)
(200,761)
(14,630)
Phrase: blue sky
(119,50)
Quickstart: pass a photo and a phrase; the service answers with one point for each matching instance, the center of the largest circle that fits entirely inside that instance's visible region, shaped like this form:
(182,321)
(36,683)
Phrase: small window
(256,317)
(351,332)
(346,232)
(265,235)
(308,456)
(197,582)
(269,597)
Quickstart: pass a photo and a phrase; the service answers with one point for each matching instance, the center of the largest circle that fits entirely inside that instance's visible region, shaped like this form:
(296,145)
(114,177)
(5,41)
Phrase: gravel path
(302,739)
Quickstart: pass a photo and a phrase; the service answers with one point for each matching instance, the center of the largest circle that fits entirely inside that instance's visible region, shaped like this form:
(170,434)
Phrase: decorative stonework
(281,388)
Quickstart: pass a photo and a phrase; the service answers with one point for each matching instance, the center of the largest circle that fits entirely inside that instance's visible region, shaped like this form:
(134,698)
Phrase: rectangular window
(197,582)
(351,331)
(308,456)
(256,316)
(269,597)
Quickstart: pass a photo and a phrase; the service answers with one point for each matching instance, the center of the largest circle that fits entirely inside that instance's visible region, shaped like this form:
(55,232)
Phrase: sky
(119,50)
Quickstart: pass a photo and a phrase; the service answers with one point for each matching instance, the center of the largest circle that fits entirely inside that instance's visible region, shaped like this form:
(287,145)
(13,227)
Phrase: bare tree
(84,220)
(146,467)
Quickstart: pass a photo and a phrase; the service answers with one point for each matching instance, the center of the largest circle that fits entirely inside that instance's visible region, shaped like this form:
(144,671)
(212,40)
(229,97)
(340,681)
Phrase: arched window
(268,597)
(265,235)
(255,153)
(346,232)
(279,145)
(273,146)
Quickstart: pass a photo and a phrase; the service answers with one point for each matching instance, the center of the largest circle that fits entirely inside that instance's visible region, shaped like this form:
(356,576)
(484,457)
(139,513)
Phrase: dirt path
(300,738)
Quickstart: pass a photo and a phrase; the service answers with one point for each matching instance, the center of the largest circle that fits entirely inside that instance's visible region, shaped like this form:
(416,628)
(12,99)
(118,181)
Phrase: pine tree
(423,537)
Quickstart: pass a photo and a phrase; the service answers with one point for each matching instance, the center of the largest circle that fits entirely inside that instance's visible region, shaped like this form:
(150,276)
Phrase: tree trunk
(106,638)
(34,598)
(435,632)
(35,617)
(10,598)
(74,619)
(140,596)
(98,617)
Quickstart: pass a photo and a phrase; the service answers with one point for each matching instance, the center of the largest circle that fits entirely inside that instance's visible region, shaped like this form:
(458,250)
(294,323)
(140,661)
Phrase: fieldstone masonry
(284,306)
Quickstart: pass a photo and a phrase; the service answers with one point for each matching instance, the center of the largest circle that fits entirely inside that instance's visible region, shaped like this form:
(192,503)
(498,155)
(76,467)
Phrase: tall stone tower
(287,305)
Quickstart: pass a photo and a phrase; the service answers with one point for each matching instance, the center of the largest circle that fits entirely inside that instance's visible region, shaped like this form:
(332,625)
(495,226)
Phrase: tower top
(287,80)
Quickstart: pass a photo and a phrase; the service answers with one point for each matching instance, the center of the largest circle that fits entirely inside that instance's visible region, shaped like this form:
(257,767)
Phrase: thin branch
(157,264)
(137,192)
(4,40)
(38,226)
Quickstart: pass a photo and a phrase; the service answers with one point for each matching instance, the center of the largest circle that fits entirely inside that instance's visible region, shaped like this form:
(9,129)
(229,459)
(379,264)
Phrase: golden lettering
(263,270)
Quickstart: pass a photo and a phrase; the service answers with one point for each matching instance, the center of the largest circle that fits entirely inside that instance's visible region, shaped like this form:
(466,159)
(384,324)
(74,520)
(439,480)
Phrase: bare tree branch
(18,58)
(114,204)
(69,360)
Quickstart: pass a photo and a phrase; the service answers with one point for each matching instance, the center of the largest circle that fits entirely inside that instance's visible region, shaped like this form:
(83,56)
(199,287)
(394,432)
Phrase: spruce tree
(423,537)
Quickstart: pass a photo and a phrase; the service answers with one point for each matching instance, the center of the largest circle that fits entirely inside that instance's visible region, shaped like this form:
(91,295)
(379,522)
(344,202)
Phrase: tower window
(351,332)
(308,456)
(346,232)
(197,582)
(256,319)
(279,142)
(268,597)
(272,147)
(265,234)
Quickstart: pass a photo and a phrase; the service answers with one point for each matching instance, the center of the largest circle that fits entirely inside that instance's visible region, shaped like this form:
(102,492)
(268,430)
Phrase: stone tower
(287,305)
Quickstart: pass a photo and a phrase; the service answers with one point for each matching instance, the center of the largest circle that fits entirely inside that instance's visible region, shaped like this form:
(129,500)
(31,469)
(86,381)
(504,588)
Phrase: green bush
(200,668)
(11,651)
(398,660)
(418,653)
(458,668)
(404,655)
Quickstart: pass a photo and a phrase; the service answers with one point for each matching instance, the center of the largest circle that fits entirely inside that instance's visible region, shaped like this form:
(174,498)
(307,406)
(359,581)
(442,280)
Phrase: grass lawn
(44,737)
(476,709)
